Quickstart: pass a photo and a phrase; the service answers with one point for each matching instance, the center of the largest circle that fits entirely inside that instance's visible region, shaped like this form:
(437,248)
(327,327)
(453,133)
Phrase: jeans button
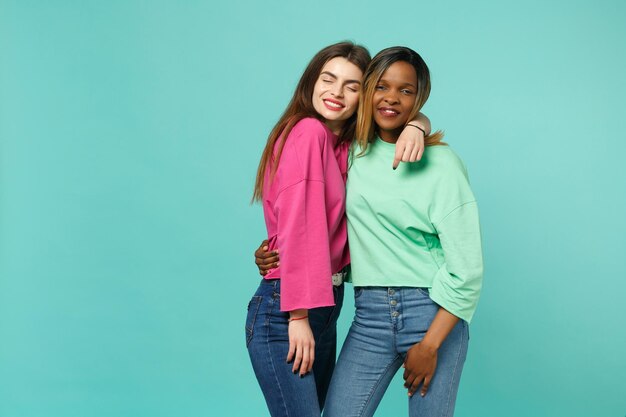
(395,314)
(393,302)
(391,291)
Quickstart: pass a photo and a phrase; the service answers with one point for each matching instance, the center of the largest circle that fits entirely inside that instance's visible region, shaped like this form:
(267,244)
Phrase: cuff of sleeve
(460,301)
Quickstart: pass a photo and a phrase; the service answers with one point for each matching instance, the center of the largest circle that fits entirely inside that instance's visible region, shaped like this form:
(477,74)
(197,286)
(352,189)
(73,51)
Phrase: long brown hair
(301,106)
(366,127)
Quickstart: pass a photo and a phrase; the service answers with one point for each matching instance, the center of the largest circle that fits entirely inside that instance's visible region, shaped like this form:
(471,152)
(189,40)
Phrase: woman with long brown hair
(291,321)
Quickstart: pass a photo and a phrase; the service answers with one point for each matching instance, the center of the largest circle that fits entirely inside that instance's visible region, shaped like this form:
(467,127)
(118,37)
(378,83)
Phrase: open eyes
(404,91)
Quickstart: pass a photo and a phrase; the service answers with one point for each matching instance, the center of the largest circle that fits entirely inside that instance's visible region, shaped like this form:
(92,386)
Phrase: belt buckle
(338,278)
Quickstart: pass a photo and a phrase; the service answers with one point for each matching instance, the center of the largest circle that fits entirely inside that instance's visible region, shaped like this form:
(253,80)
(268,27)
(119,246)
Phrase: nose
(391,98)
(337,90)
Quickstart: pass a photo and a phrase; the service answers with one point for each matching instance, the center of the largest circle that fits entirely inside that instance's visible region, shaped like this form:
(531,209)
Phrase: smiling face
(336,92)
(394,98)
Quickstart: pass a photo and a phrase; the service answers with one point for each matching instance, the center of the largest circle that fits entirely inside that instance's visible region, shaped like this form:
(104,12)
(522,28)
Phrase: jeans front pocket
(424,291)
(253,309)
(358,291)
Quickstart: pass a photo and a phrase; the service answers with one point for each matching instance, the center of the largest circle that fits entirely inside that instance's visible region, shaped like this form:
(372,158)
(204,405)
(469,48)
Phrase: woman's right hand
(264,259)
(410,144)
(301,344)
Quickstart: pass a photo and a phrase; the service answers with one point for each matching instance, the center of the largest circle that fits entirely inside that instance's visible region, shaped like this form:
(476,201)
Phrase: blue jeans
(267,339)
(387,323)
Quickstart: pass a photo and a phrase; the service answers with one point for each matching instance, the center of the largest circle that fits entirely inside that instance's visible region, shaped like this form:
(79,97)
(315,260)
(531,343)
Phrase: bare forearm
(439,329)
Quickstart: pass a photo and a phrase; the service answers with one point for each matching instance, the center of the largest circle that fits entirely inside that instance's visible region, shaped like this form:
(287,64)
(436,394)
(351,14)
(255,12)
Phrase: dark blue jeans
(267,340)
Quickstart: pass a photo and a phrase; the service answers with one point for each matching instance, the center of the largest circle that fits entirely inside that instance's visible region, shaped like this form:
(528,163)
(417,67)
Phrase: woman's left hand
(420,365)
(409,147)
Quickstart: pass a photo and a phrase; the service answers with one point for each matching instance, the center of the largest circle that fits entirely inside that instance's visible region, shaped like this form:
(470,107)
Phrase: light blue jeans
(387,323)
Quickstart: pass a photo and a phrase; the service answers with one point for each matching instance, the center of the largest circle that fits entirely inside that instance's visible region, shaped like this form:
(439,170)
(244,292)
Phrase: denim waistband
(274,282)
(338,279)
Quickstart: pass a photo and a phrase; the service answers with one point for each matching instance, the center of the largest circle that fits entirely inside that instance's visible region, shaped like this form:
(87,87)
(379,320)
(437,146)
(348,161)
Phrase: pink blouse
(304,210)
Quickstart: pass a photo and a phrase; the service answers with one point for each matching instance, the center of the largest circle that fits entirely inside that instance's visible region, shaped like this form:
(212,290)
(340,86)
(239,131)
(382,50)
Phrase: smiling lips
(333,104)
(388,112)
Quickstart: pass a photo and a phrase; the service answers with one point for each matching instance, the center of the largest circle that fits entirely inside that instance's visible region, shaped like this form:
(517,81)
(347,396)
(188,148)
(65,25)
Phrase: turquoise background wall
(129,137)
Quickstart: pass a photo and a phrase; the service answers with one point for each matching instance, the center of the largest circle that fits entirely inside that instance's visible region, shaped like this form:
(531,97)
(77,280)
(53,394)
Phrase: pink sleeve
(303,227)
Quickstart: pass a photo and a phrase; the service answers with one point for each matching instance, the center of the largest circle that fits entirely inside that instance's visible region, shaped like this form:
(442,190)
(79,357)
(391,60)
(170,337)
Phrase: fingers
(417,151)
(262,249)
(413,381)
(312,358)
(267,263)
(408,379)
(264,253)
(303,356)
(407,152)
(301,346)
(306,361)
(414,385)
(298,360)
(267,254)
(414,152)
(271,260)
(425,385)
(264,259)
(292,351)
(420,153)
(264,267)
(397,157)
(308,357)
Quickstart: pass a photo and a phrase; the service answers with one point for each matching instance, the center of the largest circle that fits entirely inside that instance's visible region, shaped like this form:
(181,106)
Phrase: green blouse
(416,226)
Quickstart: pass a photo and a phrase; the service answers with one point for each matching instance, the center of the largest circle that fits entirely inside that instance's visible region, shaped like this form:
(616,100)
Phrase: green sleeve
(458,281)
